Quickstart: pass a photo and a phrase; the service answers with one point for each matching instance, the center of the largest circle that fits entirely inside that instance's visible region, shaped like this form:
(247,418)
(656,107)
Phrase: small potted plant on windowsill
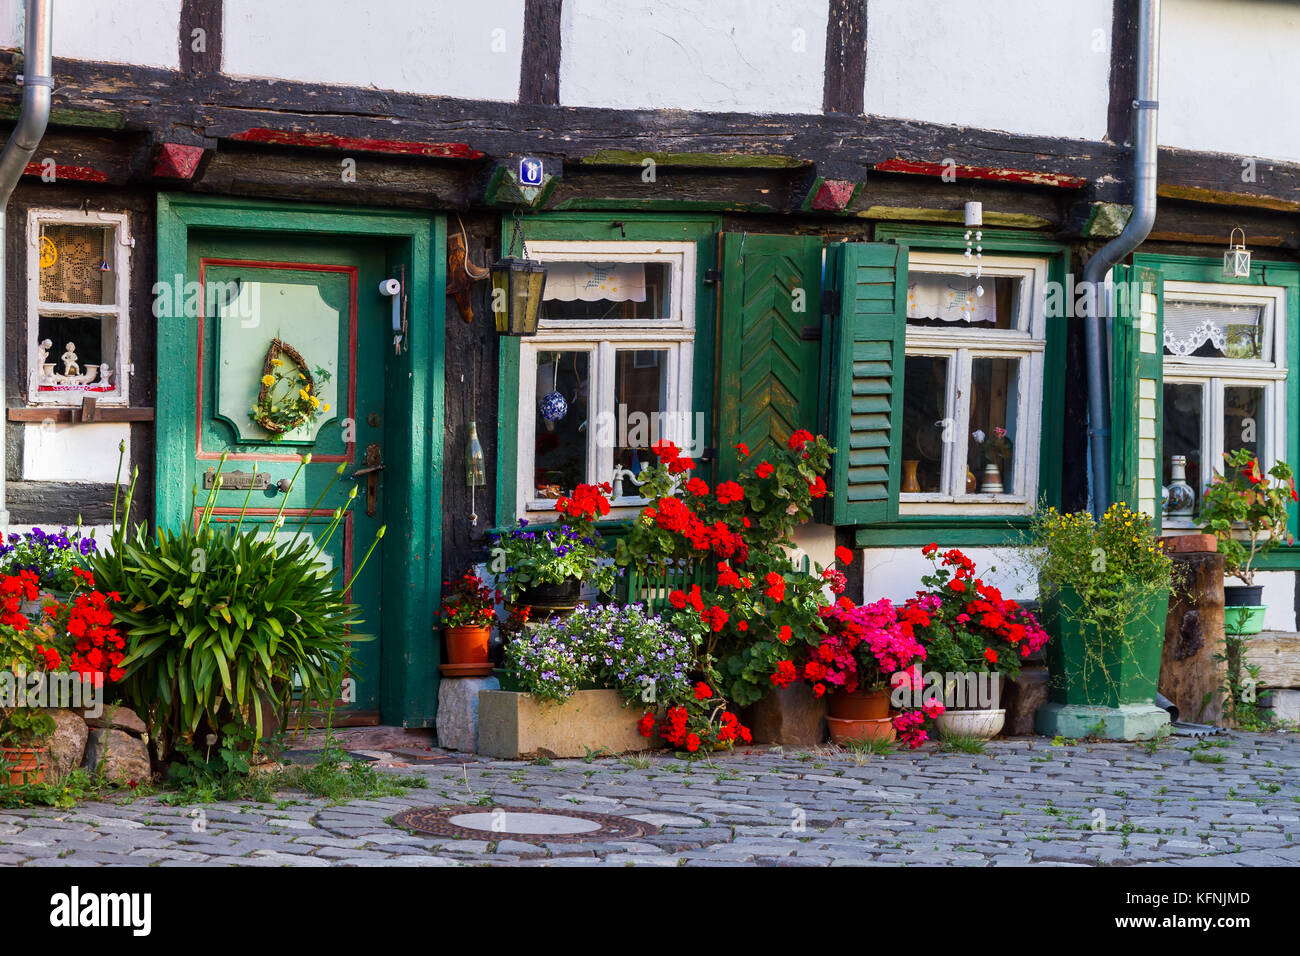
(995,448)
(544,566)
(1246,511)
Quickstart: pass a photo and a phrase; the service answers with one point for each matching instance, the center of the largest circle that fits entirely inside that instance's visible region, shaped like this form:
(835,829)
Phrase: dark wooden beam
(539,66)
(846,56)
(157,106)
(1123,71)
(200,36)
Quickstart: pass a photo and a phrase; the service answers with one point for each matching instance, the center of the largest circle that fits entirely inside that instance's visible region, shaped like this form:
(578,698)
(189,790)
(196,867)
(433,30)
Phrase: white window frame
(674,333)
(961,344)
(1213,374)
(120,310)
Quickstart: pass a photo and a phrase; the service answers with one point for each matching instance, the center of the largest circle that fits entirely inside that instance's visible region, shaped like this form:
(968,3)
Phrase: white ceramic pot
(980,724)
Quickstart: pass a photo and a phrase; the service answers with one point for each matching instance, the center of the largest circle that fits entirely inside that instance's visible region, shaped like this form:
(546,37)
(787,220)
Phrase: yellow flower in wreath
(268,380)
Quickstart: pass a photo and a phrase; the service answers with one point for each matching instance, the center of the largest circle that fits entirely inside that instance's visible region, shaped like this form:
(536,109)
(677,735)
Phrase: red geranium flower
(728,492)
(764,470)
(843,555)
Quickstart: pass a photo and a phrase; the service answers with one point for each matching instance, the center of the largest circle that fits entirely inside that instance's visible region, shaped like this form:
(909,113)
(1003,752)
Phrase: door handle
(371,465)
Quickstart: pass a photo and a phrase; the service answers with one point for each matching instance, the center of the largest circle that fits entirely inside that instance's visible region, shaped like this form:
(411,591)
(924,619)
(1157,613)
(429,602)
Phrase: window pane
(993,419)
(560,449)
(607,291)
(640,397)
(940,300)
(77,264)
(925,400)
(1243,418)
(1214,330)
(1184,421)
(78,354)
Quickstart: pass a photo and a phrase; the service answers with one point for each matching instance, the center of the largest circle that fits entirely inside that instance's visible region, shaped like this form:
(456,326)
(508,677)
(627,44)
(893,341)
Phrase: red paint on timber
(275,137)
(85,174)
(833,195)
(1029,177)
(177,161)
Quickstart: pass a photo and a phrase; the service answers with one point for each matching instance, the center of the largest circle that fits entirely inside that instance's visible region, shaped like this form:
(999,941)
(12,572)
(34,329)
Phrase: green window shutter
(1137,390)
(767,367)
(866,377)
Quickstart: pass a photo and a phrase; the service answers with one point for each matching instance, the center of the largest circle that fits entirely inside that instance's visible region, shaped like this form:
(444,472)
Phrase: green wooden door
(319,300)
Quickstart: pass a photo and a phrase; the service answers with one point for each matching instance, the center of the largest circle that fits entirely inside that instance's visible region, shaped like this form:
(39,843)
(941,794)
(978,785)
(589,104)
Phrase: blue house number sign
(530,171)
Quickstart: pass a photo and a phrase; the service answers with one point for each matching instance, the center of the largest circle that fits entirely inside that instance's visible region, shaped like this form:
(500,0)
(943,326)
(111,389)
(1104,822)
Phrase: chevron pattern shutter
(866,379)
(767,367)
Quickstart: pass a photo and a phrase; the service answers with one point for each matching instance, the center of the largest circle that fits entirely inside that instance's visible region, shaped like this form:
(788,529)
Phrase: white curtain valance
(951,298)
(1233,330)
(595,281)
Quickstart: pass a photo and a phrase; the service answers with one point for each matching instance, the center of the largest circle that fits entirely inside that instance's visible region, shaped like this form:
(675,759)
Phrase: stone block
(513,725)
(1077,721)
(121,757)
(789,716)
(119,718)
(457,722)
(68,743)
(1285,705)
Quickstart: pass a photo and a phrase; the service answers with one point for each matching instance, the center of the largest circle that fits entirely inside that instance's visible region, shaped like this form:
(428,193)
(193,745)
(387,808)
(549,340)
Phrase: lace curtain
(1234,331)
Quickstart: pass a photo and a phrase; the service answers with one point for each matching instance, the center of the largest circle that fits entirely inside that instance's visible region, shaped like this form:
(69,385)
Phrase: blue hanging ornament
(554,407)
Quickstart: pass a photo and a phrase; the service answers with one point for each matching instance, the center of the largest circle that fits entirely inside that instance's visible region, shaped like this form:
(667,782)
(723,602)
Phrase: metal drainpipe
(1135,231)
(38,86)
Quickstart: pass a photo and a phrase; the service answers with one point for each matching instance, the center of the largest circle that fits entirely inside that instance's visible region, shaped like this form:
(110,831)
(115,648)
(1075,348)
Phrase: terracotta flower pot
(843,731)
(467,644)
(859,705)
(25,764)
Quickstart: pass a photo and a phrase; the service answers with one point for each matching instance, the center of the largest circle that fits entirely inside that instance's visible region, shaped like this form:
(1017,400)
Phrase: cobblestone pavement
(1234,801)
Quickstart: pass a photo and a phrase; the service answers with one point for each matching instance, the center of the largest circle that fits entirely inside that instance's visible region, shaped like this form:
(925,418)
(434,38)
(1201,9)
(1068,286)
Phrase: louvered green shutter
(1137,390)
(866,376)
(768,343)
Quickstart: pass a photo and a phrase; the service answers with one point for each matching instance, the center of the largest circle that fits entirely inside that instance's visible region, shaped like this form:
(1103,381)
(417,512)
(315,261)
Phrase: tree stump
(1189,674)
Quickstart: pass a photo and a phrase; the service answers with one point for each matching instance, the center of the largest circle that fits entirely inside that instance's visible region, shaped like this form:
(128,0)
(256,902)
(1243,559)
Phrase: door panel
(319,299)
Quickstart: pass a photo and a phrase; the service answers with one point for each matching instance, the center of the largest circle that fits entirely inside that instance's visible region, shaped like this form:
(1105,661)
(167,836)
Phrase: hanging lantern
(1236,261)
(517,285)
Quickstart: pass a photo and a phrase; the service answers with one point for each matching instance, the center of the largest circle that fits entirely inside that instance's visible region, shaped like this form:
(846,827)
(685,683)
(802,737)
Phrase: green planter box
(1103,670)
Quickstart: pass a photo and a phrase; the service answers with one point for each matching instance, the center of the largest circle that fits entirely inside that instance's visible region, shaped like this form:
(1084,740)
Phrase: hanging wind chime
(974,252)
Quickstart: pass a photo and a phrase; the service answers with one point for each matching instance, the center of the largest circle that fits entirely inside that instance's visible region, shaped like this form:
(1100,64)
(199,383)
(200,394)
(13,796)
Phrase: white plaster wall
(75,452)
(1279,596)
(142,32)
(1022,66)
(895,573)
(817,541)
(1225,71)
(469,50)
(762,56)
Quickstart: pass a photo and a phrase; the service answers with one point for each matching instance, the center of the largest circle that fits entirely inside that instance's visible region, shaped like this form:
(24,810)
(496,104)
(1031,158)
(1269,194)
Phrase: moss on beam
(957,216)
(94,119)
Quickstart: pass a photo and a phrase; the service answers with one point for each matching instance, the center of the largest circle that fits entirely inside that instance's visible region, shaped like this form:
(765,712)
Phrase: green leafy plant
(225,623)
(1246,511)
(1241,706)
(570,549)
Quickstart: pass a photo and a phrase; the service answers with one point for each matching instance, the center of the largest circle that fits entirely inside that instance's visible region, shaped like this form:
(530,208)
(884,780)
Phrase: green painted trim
(579,226)
(629,157)
(947,237)
(961,532)
(413,551)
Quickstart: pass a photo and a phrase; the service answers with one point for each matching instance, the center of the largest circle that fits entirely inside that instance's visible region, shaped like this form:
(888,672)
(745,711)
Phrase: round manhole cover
(532,826)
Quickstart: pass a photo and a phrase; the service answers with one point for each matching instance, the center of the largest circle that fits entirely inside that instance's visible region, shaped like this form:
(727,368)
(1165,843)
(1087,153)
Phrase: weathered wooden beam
(1123,71)
(355,144)
(64,414)
(176,107)
(539,64)
(955,171)
(846,56)
(200,38)
(380,180)
(673,189)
